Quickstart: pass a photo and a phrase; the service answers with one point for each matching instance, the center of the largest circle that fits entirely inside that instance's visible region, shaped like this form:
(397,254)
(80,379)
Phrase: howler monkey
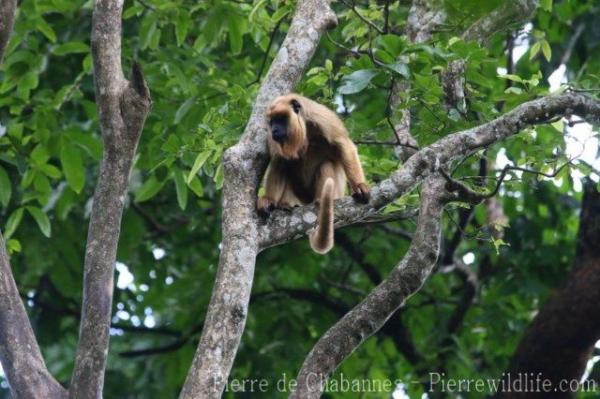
(311,158)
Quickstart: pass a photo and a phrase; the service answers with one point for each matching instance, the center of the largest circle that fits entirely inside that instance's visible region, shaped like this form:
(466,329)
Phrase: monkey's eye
(296,106)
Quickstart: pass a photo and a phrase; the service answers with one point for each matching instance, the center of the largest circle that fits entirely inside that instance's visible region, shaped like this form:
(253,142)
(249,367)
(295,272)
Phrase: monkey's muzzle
(279,129)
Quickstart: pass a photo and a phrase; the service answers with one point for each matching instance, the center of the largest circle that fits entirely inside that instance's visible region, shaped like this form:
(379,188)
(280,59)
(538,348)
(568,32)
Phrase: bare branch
(472,196)
(282,227)
(370,315)
(19,351)
(244,165)
(122,107)
(8,8)
(423,18)
(508,14)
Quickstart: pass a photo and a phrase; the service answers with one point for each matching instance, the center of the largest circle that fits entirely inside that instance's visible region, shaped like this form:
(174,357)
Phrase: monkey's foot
(265,206)
(361,193)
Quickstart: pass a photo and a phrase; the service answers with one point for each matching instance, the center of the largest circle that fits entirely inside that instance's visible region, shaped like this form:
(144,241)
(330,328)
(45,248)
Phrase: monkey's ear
(296,105)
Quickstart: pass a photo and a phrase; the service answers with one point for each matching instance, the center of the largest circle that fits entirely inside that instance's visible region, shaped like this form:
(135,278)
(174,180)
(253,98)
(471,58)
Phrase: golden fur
(311,163)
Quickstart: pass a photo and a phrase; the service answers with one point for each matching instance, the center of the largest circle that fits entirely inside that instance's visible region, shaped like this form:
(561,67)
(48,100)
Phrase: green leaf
(149,189)
(5,187)
(356,81)
(219,176)
(41,219)
(13,222)
(196,186)
(180,188)
(135,9)
(546,5)
(198,163)
(400,68)
(72,163)
(498,242)
(70,48)
(546,50)
(535,49)
(13,246)
(147,30)
(514,78)
(181,27)
(236,34)
(46,29)
(183,109)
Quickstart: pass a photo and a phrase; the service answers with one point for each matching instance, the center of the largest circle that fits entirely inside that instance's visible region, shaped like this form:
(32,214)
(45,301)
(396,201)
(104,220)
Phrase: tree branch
(19,351)
(122,107)
(370,315)
(281,227)
(509,13)
(243,166)
(8,9)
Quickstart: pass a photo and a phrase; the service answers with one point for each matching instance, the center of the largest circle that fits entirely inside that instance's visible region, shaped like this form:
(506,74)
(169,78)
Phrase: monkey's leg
(274,188)
(354,171)
(321,239)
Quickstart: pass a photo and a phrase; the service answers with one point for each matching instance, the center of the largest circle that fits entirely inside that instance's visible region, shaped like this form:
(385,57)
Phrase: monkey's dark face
(287,128)
(279,128)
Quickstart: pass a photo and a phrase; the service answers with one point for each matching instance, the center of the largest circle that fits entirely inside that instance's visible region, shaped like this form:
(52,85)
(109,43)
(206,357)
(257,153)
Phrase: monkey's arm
(274,188)
(353,169)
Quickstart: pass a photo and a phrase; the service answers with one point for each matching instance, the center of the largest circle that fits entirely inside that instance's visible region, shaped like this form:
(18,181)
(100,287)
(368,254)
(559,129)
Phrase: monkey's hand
(265,206)
(361,193)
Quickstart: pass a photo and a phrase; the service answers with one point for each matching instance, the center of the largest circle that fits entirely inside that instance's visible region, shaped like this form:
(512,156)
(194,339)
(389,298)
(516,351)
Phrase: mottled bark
(284,226)
(8,9)
(244,165)
(561,338)
(370,315)
(424,16)
(509,13)
(19,352)
(122,108)
(453,85)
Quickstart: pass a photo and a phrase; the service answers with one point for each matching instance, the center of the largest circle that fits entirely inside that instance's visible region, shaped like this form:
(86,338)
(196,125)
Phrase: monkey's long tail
(321,240)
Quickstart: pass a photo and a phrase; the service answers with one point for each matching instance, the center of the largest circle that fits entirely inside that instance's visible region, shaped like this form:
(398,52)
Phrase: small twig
(362,18)
(356,53)
(474,197)
(571,45)
(267,51)
(377,142)
(146,5)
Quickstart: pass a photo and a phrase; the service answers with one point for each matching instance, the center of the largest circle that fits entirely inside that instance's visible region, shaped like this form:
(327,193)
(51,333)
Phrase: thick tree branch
(509,13)
(370,315)
(424,16)
(244,165)
(282,227)
(8,9)
(122,108)
(19,351)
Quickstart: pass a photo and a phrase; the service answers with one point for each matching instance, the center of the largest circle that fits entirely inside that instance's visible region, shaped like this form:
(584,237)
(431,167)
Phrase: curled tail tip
(320,245)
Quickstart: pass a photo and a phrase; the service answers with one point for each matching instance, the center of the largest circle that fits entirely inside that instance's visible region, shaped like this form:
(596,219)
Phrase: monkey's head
(287,127)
